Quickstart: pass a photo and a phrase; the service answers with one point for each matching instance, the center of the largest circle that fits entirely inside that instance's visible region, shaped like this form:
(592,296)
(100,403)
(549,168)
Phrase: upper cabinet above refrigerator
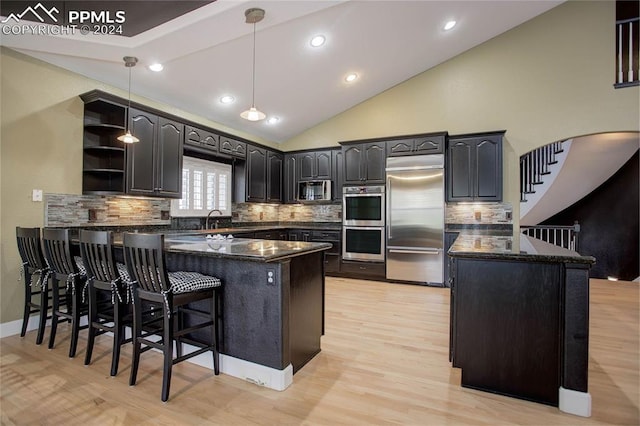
(474,167)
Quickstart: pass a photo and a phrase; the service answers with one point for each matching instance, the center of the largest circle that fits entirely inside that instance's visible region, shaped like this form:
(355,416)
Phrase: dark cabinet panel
(290,179)
(417,145)
(338,174)
(200,138)
(429,145)
(364,163)
(263,175)
(474,167)
(232,147)
(449,239)
(374,163)
(274,175)
(352,164)
(140,161)
(154,165)
(315,165)
(169,155)
(256,174)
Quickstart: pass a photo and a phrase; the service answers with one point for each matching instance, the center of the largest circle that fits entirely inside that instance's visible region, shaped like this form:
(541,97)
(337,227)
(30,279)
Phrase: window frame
(194,165)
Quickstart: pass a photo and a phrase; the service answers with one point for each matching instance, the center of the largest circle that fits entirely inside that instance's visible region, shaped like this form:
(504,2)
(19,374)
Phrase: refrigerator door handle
(411,251)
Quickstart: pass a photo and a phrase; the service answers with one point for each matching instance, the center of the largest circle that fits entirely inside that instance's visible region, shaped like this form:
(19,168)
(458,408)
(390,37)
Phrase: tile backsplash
(479,213)
(90,210)
(259,212)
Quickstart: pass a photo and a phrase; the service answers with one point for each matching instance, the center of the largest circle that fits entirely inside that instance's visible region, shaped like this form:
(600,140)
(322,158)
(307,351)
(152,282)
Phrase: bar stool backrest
(96,249)
(30,248)
(145,260)
(57,251)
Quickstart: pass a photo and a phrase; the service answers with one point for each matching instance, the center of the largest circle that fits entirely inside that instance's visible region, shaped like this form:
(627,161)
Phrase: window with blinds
(206,185)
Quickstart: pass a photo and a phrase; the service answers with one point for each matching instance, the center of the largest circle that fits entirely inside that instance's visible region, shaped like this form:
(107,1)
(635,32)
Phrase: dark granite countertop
(255,250)
(507,247)
(241,248)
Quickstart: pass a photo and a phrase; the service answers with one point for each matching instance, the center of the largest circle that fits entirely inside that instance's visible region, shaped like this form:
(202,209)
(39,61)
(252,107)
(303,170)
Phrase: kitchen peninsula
(520,319)
(273,301)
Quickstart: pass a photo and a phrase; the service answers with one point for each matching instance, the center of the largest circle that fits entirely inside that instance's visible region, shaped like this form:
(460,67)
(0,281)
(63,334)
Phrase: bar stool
(65,268)
(171,292)
(109,296)
(33,263)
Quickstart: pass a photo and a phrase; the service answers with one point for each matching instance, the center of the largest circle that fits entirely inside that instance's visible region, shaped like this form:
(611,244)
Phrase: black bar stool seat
(108,293)
(172,293)
(68,303)
(37,297)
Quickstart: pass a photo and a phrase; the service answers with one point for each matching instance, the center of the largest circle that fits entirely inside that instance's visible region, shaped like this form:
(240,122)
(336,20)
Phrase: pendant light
(252,16)
(129,62)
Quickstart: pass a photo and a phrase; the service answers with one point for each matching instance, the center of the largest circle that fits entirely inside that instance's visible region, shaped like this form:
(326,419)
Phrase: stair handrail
(566,236)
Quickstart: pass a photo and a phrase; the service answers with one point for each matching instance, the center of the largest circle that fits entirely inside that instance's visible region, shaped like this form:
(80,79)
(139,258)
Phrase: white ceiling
(207,54)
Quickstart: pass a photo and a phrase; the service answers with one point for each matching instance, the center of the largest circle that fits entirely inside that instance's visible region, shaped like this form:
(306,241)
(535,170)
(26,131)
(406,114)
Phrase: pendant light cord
(129,107)
(253,88)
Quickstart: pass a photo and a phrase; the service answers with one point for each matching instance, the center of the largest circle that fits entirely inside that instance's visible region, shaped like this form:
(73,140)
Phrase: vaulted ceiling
(207,52)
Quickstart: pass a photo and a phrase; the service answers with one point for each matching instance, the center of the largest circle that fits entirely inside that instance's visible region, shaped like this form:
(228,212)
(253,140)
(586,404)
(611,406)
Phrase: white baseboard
(255,373)
(574,402)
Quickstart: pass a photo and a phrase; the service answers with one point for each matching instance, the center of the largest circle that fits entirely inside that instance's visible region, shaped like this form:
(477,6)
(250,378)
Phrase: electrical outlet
(36,195)
(292,215)
(271,277)
(261,215)
(508,215)
(478,215)
(93,215)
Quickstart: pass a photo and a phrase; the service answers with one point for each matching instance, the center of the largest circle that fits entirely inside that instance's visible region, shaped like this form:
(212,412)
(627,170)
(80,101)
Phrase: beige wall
(41,148)
(547,80)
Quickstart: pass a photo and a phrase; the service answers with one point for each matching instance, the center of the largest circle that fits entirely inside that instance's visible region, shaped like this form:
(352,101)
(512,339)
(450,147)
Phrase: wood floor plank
(384,360)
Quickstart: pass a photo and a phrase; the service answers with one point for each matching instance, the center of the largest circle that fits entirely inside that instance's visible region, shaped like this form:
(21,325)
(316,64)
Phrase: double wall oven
(363,236)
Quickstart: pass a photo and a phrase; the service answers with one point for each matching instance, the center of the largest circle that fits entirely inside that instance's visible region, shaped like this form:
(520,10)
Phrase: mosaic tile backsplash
(479,213)
(90,210)
(258,212)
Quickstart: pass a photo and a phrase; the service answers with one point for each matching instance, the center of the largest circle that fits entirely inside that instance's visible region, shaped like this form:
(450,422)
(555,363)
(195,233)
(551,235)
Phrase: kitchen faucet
(206,224)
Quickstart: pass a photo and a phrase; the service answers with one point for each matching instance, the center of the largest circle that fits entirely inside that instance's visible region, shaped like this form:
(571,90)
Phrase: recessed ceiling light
(318,40)
(273,120)
(350,78)
(449,25)
(157,67)
(227,99)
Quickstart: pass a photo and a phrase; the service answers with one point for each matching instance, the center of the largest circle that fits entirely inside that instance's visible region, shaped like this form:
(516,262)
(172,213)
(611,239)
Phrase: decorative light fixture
(129,62)
(253,16)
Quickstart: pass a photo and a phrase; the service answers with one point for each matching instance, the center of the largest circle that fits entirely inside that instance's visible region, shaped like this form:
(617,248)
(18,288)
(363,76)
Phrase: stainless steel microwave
(314,190)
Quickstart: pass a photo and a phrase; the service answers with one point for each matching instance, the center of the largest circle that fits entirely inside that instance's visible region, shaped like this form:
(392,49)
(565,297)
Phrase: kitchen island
(520,319)
(273,301)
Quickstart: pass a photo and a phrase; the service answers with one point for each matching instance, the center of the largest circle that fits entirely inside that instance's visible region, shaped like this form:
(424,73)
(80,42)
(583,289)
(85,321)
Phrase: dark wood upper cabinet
(154,165)
(199,138)
(232,147)
(364,163)
(314,165)
(290,179)
(417,145)
(274,177)
(474,167)
(256,174)
(338,174)
(263,175)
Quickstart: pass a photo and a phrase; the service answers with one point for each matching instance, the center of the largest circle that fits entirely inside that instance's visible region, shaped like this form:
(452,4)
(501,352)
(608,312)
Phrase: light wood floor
(384,360)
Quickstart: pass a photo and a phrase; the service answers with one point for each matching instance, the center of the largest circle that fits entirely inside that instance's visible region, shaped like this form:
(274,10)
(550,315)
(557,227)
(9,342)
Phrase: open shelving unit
(104,156)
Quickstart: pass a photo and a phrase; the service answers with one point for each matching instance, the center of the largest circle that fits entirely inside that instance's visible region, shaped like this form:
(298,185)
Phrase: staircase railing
(563,236)
(534,165)
(627,72)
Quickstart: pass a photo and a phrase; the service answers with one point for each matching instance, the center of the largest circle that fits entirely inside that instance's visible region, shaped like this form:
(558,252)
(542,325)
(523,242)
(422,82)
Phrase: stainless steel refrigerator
(415,218)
